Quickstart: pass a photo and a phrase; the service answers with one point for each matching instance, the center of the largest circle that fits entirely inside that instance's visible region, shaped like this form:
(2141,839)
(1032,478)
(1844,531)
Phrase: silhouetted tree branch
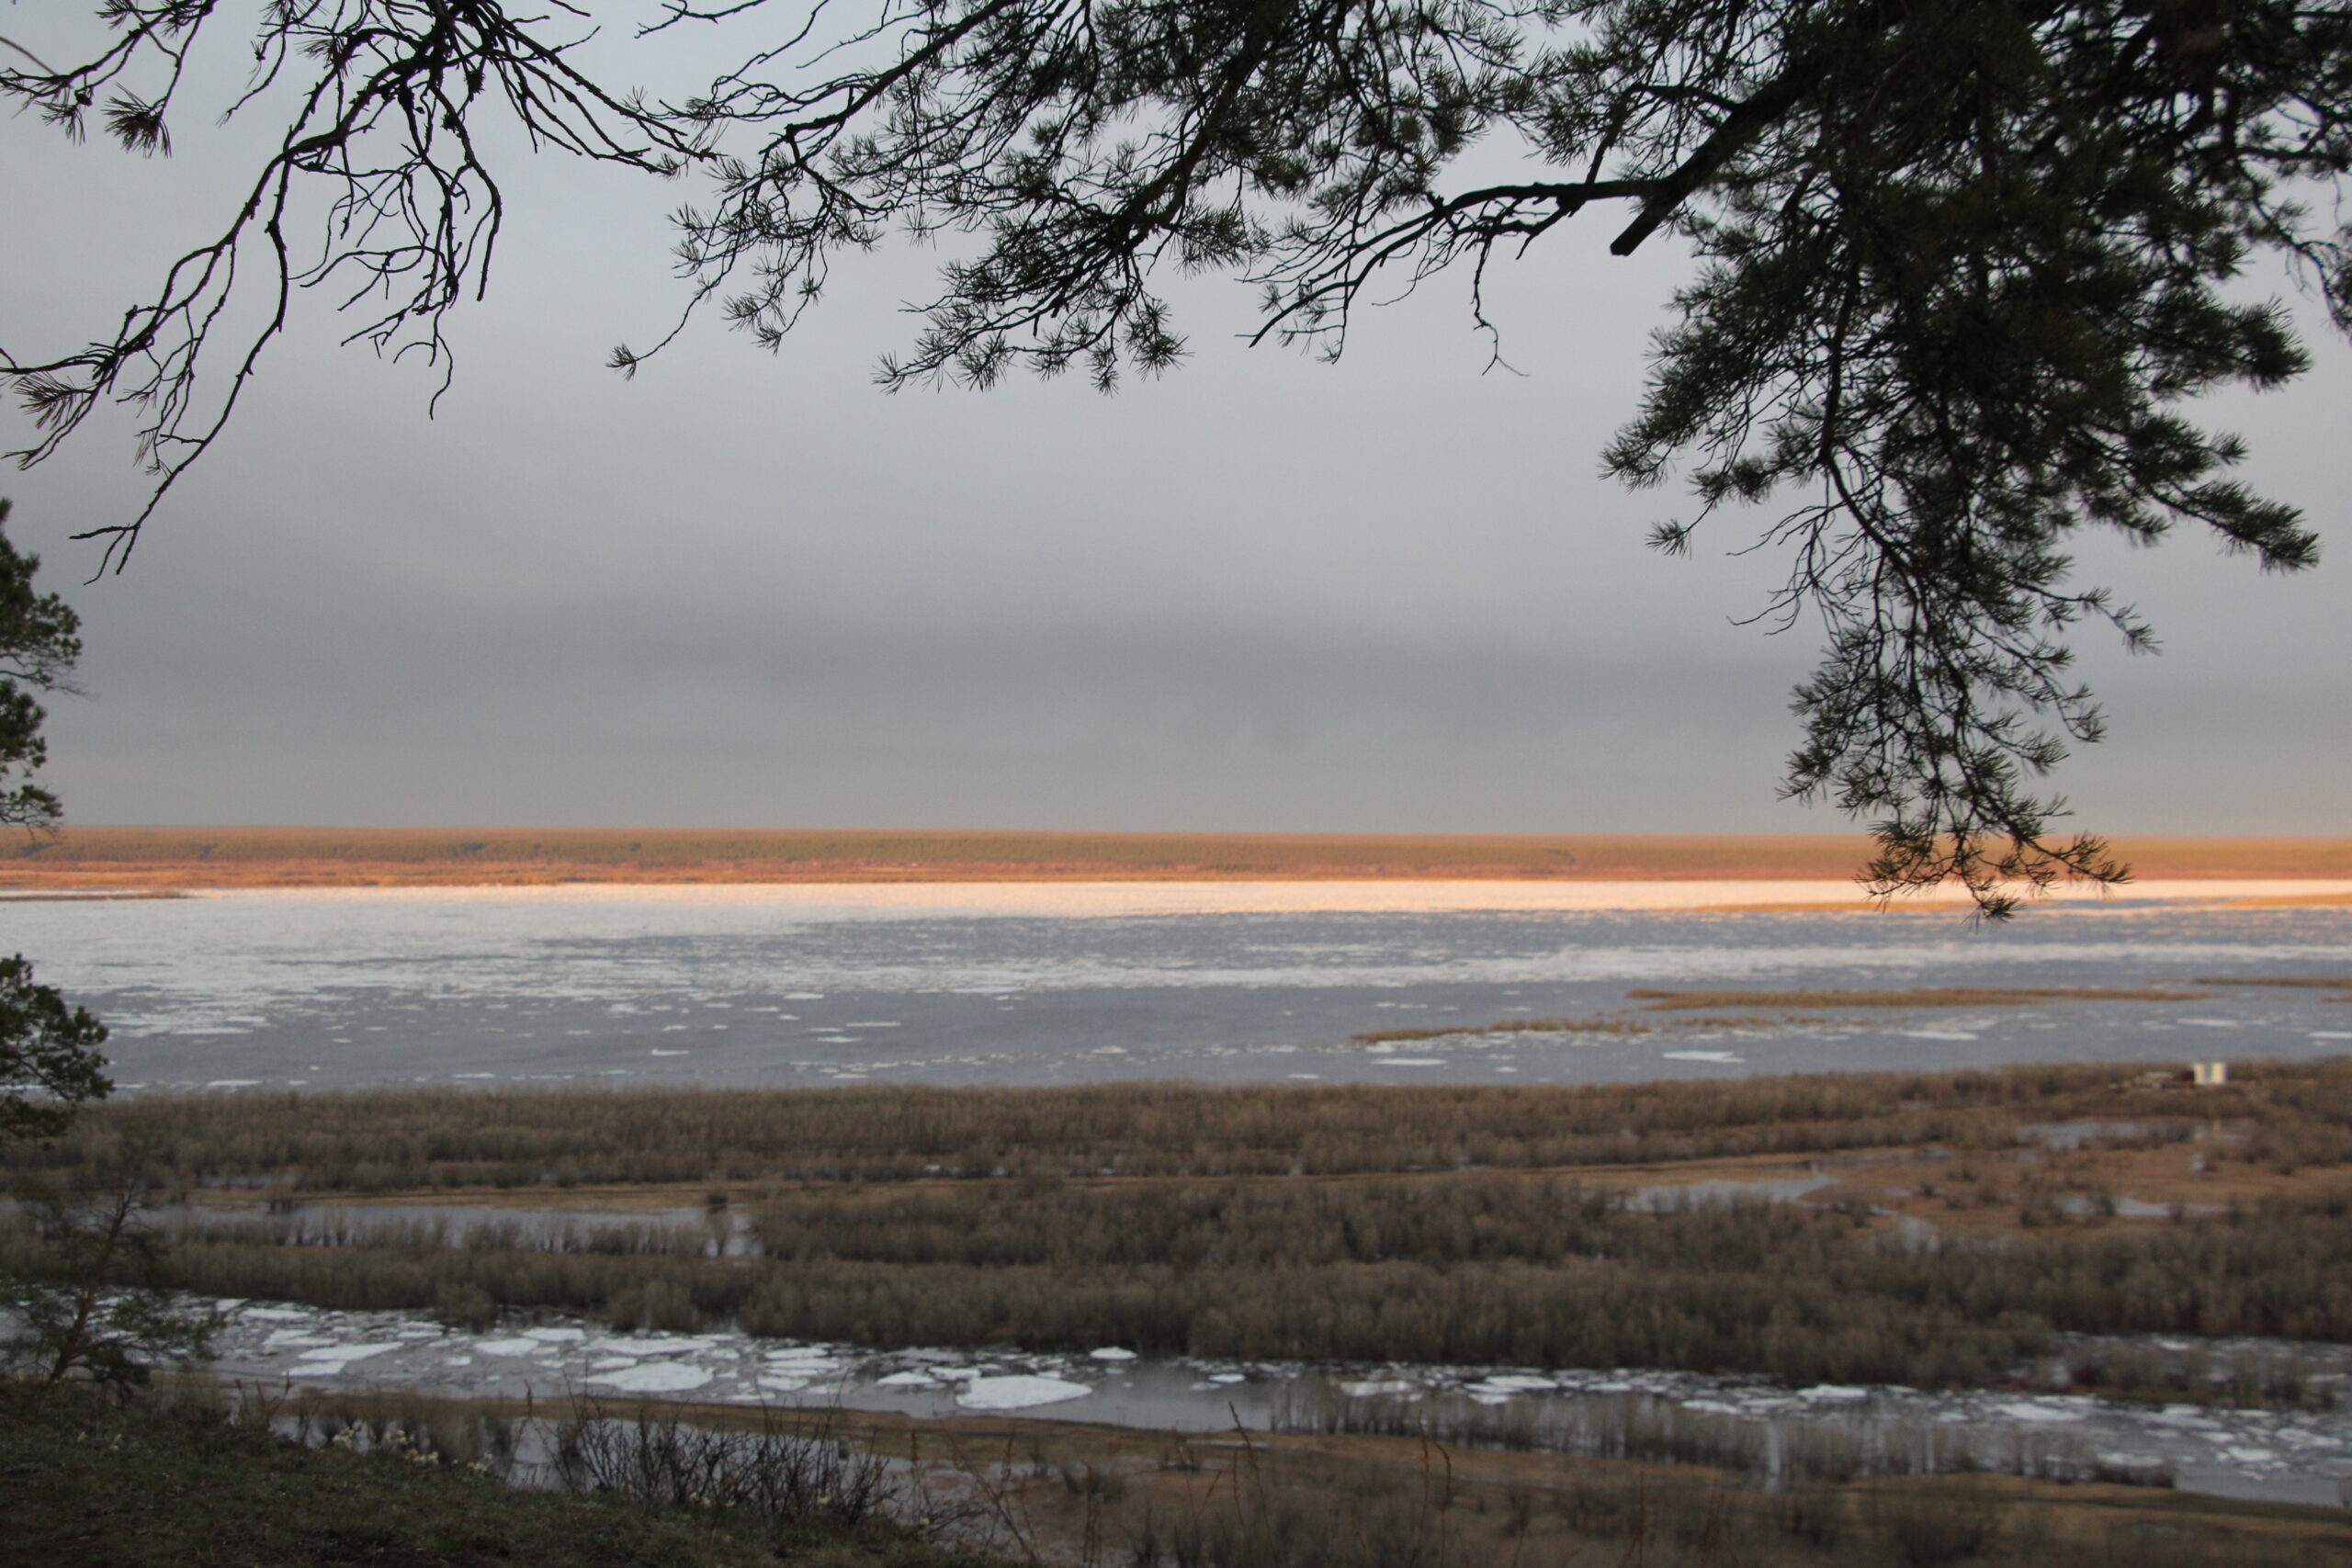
(1962,261)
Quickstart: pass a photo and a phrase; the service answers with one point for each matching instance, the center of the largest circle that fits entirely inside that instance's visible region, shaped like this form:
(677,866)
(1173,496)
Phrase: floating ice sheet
(653,1377)
(1018,1392)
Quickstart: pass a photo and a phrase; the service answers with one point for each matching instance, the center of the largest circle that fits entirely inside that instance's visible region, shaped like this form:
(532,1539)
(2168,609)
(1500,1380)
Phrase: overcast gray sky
(1263,593)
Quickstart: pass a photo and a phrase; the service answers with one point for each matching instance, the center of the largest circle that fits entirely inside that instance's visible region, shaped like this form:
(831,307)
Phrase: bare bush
(776,1474)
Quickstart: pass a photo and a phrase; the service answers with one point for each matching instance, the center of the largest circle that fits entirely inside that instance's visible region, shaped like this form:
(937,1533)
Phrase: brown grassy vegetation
(1463,1270)
(1081,1496)
(2334,900)
(220,857)
(166,1483)
(1917,997)
(231,857)
(1785,1451)
(2313,982)
(1232,1250)
(1422,1224)
(450,1139)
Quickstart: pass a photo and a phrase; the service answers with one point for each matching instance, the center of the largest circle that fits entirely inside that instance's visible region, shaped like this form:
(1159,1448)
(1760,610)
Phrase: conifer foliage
(48,1052)
(1962,261)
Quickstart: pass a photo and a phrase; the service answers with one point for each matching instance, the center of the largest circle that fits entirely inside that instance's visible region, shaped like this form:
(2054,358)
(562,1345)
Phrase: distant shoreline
(103,859)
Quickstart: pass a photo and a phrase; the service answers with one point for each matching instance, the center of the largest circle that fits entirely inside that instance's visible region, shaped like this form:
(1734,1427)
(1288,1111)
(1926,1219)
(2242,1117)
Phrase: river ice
(1026,984)
(2302,1454)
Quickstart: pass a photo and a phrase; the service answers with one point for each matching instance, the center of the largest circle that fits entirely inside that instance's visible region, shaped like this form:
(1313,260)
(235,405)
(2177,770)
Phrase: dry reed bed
(1090,1497)
(1213,1241)
(1702,1001)
(216,857)
(1785,1452)
(278,856)
(1914,997)
(385,1140)
(1471,1269)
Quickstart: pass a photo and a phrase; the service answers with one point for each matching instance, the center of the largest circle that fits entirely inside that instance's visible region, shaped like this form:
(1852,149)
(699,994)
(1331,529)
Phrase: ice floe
(1018,1392)
(351,1352)
(2215,1445)
(661,1344)
(2040,1411)
(653,1377)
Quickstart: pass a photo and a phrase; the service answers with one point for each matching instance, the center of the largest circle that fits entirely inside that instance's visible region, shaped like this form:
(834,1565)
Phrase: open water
(1029,984)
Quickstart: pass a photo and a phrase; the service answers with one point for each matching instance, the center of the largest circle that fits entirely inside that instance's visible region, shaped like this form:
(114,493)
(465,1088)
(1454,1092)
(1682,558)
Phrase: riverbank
(171,1479)
(406,1481)
(116,858)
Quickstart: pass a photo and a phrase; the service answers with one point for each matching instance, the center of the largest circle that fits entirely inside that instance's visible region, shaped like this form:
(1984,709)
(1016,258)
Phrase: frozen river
(1038,984)
(2288,1455)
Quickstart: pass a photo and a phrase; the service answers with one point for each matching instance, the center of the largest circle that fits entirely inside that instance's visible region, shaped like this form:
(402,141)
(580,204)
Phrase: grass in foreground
(87,1483)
